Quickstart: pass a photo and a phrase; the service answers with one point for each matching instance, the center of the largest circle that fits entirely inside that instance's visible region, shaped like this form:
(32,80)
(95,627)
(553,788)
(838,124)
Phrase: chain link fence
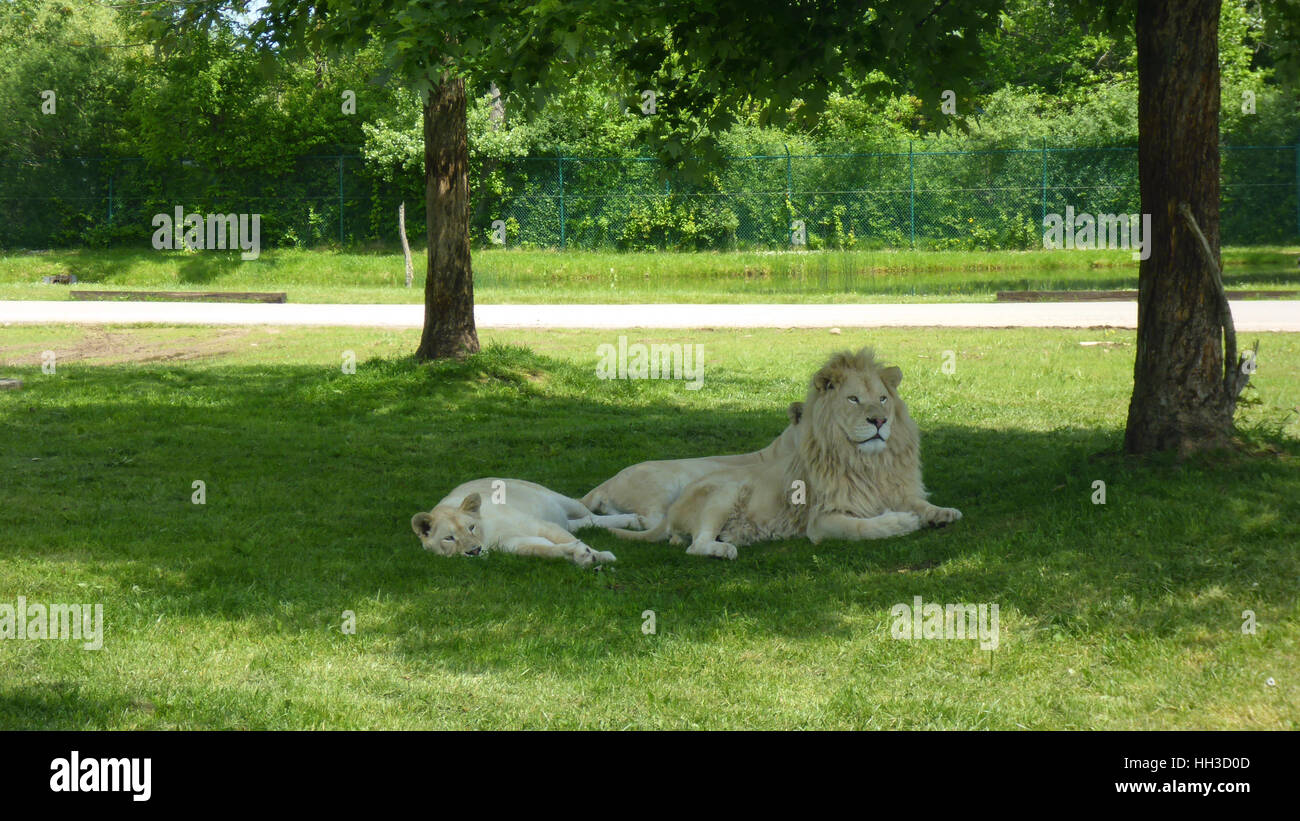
(988,199)
(99,202)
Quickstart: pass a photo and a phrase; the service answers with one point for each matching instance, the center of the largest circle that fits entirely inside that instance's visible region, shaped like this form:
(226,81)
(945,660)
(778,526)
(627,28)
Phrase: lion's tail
(658,533)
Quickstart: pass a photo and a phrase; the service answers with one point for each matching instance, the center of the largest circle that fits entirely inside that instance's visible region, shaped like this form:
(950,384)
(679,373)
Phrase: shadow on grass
(104,267)
(312,475)
(202,269)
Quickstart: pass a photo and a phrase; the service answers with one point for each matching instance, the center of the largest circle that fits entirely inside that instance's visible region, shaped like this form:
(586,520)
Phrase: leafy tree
(74,51)
(703,59)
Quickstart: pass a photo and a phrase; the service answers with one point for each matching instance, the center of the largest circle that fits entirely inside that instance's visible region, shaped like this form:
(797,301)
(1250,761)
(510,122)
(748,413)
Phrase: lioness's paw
(940,516)
(584,556)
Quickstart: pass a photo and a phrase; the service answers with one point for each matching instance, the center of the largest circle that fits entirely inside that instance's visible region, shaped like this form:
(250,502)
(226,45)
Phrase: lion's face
(859,406)
(451,531)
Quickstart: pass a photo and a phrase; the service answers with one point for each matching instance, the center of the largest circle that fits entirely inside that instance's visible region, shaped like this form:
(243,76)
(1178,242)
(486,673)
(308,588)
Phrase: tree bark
(449,287)
(1181,399)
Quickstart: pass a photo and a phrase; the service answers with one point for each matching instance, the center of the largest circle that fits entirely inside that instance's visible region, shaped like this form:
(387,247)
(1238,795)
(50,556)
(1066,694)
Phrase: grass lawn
(228,614)
(513,276)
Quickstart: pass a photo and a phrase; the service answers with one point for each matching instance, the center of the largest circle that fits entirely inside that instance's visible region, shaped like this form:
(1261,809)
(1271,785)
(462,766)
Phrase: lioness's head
(854,398)
(451,531)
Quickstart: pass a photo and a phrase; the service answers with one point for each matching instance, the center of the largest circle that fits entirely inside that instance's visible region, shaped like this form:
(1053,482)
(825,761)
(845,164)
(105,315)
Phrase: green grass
(511,276)
(227,615)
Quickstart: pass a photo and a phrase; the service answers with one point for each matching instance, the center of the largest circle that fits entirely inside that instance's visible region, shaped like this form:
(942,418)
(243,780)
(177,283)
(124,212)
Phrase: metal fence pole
(1043,221)
(911,191)
(560,162)
(340,199)
(789,190)
(1297,188)
(789,177)
(110,195)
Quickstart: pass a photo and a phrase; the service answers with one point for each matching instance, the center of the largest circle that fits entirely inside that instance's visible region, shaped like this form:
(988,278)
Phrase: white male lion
(648,488)
(856,473)
(518,517)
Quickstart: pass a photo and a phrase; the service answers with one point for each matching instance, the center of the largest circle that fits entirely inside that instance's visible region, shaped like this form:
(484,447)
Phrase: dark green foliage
(202,124)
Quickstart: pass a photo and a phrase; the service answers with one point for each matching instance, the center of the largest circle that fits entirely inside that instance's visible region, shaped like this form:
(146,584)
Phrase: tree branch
(1235,376)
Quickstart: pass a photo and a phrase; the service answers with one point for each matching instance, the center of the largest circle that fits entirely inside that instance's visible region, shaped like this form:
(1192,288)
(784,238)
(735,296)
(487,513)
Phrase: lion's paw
(900,521)
(940,516)
(724,550)
(715,549)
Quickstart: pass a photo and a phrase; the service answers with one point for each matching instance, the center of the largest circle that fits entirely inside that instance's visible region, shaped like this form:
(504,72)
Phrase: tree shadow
(206,267)
(100,267)
(312,476)
(104,267)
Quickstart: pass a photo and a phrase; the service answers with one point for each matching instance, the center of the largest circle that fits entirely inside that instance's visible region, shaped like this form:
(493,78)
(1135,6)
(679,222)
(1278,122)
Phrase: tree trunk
(449,286)
(1181,400)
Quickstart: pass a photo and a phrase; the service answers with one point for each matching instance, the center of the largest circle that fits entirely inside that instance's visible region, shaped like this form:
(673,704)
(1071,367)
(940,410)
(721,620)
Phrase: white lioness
(856,473)
(648,488)
(518,517)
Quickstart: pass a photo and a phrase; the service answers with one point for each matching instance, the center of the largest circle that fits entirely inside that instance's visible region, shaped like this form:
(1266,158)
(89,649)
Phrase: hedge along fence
(311,201)
(987,199)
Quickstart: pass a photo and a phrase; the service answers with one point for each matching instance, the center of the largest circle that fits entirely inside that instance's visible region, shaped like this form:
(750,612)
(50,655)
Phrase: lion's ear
(892,377)
(822,382)
(421,523)
(471,503)
(795,412)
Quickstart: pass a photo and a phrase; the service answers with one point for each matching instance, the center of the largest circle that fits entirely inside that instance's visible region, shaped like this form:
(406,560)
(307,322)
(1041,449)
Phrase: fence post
(1043,220)
(1297,188)
(110,195)
(789,193)
(911,191)
(789,179)
(560,162)
(340,200)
